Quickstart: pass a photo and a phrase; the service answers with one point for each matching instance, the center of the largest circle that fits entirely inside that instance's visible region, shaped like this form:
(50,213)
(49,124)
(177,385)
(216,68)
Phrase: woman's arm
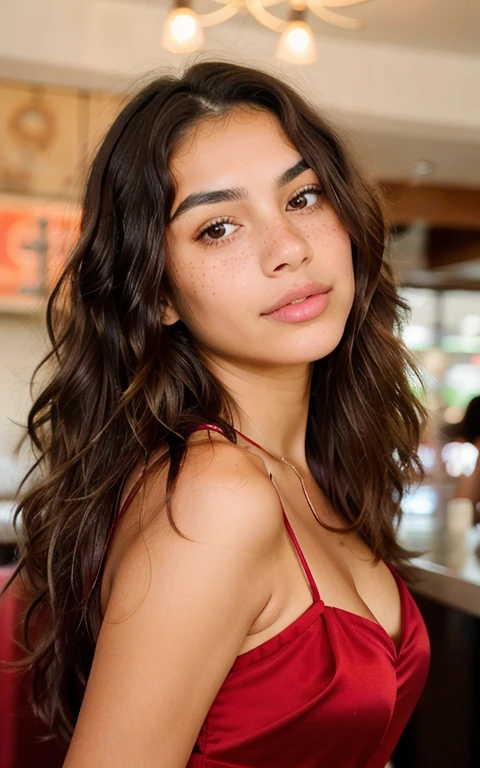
(178,614)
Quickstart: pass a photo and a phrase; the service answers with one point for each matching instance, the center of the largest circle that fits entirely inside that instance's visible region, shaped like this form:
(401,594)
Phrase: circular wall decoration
(32,126)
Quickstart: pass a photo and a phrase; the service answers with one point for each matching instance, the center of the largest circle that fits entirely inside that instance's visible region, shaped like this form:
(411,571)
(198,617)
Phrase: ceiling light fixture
(183,28)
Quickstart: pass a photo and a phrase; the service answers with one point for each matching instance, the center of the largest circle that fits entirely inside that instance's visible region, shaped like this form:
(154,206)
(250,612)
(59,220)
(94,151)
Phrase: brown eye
(300,198)
(215,230)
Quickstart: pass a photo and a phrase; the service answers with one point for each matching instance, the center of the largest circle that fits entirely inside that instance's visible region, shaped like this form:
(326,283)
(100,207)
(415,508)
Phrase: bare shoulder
(217,496)
(222,498)
(179,610)
(223,491)
(227,514)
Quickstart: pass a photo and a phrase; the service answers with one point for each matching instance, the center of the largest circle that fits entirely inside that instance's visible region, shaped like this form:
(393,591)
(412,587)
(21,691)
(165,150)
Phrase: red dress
(328,691)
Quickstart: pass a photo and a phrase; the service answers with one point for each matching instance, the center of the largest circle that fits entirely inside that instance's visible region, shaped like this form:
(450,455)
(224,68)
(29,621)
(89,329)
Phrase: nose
(285,248)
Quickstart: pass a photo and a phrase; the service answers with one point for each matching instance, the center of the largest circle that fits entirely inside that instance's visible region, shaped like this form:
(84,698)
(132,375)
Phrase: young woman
(225,438)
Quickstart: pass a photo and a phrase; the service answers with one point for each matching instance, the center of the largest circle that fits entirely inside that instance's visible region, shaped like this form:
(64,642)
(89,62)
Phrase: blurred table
(449,569)
(444,731)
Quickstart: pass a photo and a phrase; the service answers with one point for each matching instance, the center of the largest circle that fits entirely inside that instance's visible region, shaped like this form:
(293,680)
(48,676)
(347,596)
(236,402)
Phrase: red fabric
(9,689)
(329,691)
(20,731)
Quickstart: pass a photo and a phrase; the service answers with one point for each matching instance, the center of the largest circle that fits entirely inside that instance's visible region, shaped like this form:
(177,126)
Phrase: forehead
(232,145)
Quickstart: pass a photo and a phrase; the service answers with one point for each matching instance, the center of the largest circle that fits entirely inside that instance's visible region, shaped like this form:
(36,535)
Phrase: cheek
(333,250)
(211,285)
(226,275)
(332,247)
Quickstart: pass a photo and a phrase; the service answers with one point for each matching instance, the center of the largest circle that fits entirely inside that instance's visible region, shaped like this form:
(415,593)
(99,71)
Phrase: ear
(169,313)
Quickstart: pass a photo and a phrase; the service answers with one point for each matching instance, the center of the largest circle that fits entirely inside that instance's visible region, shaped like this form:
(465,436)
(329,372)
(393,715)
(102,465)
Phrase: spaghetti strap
(133,491)
(303,560)
(207,427)
(298,549)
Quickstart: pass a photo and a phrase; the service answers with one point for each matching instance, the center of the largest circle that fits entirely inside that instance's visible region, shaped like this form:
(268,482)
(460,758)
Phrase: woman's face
(232,257)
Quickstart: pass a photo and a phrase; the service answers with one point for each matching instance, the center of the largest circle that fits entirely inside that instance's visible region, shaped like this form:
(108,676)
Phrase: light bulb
(297,44)
(182,31)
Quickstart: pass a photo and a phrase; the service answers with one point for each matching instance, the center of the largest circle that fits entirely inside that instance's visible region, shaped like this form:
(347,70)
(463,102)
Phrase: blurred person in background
(468,430)
(224,443)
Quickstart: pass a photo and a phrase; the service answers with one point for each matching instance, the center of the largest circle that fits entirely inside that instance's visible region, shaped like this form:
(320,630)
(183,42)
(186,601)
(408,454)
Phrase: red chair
(19,729)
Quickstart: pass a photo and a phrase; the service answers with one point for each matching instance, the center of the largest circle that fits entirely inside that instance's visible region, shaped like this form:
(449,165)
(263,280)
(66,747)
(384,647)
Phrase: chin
(316,344)
(299,357)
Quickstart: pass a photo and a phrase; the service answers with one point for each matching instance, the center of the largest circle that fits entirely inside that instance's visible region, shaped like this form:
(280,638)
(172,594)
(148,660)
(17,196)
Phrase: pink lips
(316,299)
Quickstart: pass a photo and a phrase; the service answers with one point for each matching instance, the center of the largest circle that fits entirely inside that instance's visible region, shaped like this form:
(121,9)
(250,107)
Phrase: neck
(270,407)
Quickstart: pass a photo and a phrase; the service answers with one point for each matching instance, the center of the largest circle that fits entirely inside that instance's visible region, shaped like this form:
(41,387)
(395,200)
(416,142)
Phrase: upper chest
(342,565)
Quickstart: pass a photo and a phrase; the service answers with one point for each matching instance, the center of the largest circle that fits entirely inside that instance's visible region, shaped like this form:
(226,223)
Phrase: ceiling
(447,25)
(391,156)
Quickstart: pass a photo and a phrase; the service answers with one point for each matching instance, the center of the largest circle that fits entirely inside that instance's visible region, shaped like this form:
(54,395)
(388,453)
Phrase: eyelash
(227,220)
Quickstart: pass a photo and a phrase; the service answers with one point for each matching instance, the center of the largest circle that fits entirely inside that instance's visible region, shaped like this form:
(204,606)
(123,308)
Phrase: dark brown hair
(122,386)
(469,427)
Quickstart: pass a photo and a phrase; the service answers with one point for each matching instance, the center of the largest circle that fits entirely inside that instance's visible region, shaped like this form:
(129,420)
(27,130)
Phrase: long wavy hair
(118,387)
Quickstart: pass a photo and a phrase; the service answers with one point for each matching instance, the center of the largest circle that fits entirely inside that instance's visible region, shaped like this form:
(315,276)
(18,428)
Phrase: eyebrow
(236,193)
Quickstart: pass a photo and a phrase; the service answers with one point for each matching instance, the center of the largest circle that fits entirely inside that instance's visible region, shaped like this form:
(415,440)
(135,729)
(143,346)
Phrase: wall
(22,344)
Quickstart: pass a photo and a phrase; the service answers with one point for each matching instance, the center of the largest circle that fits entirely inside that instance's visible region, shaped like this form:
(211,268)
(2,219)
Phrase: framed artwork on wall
(36,237)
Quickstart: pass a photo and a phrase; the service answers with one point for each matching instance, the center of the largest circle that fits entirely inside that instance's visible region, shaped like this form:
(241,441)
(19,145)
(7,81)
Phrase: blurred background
(402,81)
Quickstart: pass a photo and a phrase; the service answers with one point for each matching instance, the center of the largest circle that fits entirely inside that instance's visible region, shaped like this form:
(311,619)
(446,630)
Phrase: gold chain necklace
(285,461)
(303,486)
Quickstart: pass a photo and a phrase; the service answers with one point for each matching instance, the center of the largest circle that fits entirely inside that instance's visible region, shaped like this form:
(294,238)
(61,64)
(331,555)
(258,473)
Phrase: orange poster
(35,241)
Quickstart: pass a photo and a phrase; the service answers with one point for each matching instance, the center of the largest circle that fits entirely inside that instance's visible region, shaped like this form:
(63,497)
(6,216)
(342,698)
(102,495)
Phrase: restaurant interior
(402,80)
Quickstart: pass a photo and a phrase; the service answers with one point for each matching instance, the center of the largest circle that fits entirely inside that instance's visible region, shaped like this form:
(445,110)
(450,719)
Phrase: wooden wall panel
(437,205)
(39,147)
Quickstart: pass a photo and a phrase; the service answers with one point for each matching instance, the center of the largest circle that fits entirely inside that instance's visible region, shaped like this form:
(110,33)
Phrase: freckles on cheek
(233,271)
(221,275)
(191,277)
(330,240)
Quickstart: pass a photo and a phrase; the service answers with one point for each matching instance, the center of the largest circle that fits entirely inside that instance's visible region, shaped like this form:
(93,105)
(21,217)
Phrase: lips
(301,292)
